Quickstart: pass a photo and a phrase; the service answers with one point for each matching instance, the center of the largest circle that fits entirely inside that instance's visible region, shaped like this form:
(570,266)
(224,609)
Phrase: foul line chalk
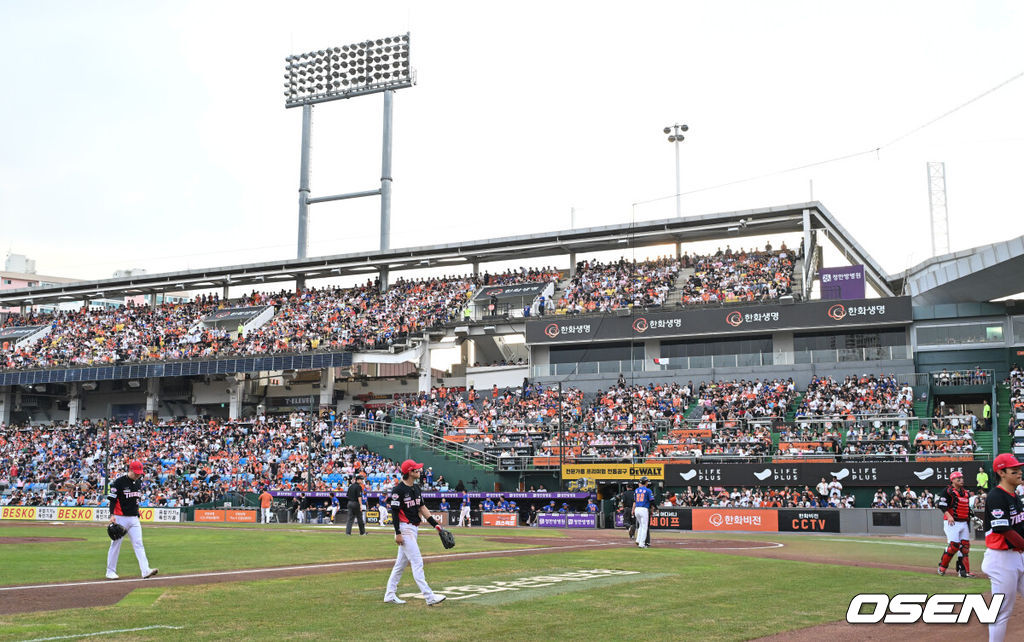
(89,635)
(250,571)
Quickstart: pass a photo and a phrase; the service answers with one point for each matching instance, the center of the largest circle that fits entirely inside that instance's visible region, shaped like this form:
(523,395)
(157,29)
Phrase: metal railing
(437,443)
(979,377)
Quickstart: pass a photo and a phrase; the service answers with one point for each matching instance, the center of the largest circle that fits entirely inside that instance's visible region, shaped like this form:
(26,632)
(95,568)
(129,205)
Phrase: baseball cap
(1006,460)
(135,467)
(409,465)
(953,475)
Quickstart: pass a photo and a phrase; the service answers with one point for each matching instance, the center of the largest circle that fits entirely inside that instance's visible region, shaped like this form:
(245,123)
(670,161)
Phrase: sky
(155,136)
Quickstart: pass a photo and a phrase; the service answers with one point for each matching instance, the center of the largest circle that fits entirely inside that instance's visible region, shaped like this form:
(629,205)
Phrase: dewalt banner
(602,472)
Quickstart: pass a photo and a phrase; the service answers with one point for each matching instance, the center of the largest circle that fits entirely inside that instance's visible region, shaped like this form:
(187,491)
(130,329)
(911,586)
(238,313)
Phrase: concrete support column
(572,264)
(679,251)
(224,292)
(476,268)
(236,392)
(327,387)
(782,347)
(6,404)
(74,404)
(424,366)
(152,398)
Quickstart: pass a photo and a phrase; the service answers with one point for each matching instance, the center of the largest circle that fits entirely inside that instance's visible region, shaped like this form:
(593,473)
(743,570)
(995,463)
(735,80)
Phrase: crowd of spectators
(873,395)
(356,318)
(743,399)
(602,287)
(975,377)
(720,497)
(187,462)
(742,276)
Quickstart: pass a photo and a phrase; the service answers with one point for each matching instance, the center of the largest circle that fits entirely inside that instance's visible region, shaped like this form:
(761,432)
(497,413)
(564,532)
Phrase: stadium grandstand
(752,365)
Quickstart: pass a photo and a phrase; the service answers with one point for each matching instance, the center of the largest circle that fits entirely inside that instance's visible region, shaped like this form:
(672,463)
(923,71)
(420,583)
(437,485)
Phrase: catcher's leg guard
(965,548)
(951,549)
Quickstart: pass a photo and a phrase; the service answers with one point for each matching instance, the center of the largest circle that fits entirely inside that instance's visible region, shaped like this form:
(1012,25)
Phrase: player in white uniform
(124,497)
(954,503)
(1004,541)
(643,500)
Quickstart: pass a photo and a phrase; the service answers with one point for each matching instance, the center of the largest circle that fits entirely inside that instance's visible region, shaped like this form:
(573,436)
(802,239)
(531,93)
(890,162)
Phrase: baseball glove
(447,539)
(116,531)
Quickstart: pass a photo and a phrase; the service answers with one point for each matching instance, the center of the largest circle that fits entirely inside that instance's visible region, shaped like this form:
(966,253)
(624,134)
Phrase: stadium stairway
(1003,417)
(791,410)
(674,295)
(399,448)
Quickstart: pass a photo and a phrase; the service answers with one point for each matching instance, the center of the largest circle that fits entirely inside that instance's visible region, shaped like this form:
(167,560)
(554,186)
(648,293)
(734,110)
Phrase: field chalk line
(89,635)
(249,571)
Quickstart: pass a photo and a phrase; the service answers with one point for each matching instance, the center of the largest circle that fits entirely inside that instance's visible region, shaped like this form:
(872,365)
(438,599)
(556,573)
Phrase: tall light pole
(340,73)
(675,133)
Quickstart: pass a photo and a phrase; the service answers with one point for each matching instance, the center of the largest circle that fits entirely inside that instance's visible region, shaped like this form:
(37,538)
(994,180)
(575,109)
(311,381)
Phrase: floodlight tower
(337,73)
(675,133)
(937,209)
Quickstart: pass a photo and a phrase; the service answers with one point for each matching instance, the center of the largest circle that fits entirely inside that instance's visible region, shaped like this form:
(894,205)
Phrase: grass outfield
(191,549)
(673,593)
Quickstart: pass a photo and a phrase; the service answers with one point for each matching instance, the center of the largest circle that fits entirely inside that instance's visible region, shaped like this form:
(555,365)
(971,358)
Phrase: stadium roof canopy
(802,218)
(981,273)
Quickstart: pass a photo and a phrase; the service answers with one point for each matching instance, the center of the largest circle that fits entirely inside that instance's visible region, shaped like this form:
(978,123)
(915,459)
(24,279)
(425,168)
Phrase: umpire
(355,505)
(628,496)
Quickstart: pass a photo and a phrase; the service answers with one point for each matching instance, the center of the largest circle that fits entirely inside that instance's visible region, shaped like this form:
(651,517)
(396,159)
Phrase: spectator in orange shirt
(266,499)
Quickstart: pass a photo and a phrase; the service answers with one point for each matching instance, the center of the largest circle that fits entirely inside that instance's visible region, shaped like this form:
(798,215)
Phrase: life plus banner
(871,474)
(844,283)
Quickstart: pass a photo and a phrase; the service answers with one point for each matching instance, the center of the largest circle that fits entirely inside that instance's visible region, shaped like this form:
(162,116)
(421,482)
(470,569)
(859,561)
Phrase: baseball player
(124,510)
(956,511)
(407,511)
(1004,541)
(643,498)
(464,510)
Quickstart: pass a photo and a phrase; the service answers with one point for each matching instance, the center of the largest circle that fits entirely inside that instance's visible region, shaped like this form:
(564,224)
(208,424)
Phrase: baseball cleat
(942,571)
(394,600)
(112,576)
(966,574)
(151,573)
(437,600)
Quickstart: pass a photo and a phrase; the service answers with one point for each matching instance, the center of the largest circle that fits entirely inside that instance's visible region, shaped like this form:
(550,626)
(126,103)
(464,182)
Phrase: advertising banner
(871,474)
(84,513)
(203,515)
(672,518)
(843,283)
(528,290)
(808,520)
(445,495)
(715,320)
(735,519)
(509,520)
(613,471)
(233,315)
(243,516)
(17,333)
(567,520)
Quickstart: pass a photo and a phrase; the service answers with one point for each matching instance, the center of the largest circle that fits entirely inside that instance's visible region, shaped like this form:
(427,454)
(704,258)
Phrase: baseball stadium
(726,425)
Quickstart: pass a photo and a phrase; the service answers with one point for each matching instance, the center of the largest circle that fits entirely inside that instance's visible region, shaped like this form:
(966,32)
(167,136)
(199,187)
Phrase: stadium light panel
(353,69)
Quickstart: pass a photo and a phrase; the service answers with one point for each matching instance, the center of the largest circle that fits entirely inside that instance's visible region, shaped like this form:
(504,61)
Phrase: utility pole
(561,439)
